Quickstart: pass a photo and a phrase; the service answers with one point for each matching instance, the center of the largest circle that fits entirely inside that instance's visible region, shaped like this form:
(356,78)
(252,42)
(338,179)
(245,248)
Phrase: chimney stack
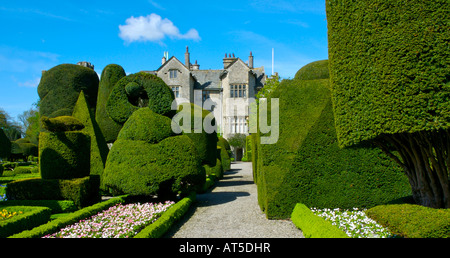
(187,59)
(250,60)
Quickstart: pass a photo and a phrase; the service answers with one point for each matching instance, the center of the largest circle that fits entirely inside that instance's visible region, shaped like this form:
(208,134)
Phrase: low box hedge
(55,225)
(31,217)
(412,221)
(56,206)
(167,219)
(314,226)
(82,191)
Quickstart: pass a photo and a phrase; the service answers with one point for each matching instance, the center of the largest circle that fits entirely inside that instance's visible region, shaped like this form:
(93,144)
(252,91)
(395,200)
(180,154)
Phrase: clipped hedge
(82,191)
(158,228)
(307,166)
(205,143)
(111,74)
(60,86)
(61,124)
(412,221)
(31,217)
(56,206)
(156,95)
(225,153)
(61,222)
(389,67)
(313,226)
(64,155)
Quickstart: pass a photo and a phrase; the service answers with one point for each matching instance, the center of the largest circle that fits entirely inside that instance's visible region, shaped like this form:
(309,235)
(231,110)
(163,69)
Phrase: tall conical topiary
(99,149)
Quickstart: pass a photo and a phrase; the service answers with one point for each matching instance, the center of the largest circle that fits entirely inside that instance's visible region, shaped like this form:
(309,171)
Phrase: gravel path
(231,210)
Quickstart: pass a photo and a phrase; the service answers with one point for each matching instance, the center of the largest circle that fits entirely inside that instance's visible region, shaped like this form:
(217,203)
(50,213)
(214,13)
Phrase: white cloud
(30,83)
(153,28)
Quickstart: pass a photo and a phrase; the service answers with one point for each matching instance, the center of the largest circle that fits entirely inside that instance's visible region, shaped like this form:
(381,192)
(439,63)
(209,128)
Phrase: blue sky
(38,35)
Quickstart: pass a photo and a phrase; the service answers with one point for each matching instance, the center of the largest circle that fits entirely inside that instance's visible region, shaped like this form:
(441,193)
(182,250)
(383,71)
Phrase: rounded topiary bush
(314,71)
(146,125)
(110,76)
(147,160)
(60,86)
(164,169)
(144,90)
(64,155)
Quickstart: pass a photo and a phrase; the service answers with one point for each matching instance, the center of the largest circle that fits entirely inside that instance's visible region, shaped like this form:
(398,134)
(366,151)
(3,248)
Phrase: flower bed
(4,214)
(119,221)
(354,223)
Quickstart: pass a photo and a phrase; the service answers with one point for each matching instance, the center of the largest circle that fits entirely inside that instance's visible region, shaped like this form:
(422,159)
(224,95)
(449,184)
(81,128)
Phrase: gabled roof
(207,79)
(172,59)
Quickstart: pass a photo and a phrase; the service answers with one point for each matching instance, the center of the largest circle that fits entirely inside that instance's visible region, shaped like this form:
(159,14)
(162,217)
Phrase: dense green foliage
(413,221)
(99,150)
(31,217)
(155,94)
(60,86)
(205,143)
(390,67)
(61,124)
(82,191)
(5,145)
(64,155)
(307,166)
(111,74)
(314,71)
(145,125)
(313,226)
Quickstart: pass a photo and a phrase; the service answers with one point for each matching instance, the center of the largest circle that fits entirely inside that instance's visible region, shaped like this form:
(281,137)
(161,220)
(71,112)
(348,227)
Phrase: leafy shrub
(313,226)
(60,86)
(111,74)
(30,218)
(82,191)
(413,221)
(64,155)
(159,96)
(61,124)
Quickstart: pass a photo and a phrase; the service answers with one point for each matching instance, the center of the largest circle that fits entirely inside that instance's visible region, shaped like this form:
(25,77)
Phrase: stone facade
(227,92)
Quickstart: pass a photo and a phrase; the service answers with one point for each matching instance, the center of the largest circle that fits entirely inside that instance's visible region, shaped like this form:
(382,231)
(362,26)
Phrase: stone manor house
(227,92)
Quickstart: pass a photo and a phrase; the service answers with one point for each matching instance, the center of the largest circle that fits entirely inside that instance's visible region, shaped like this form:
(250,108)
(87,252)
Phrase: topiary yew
(111,74)
(153,93)
(390,69)
(60,86)
(147,160)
